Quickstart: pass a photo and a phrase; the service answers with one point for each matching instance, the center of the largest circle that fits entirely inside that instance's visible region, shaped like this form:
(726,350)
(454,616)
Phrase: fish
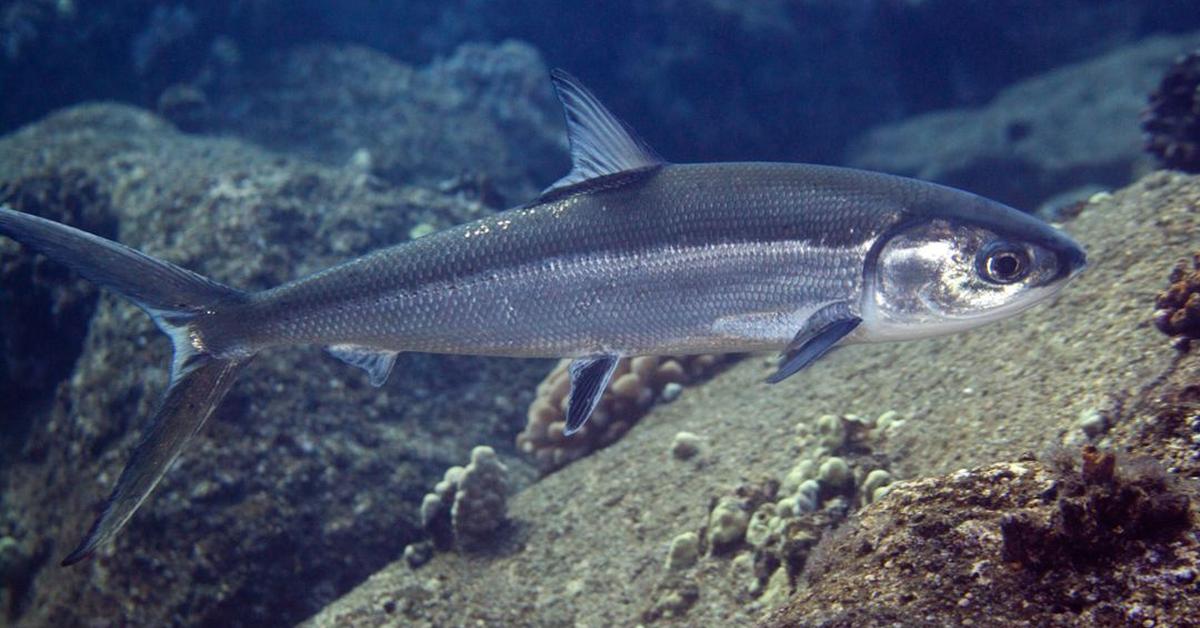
(626,255)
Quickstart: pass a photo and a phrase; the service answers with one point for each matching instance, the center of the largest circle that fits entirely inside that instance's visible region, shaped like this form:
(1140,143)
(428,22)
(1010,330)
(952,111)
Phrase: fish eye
(1002,263)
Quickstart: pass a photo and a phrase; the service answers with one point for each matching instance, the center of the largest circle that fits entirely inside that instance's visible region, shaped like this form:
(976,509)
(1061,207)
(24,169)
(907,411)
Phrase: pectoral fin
(589,378)
(824,330)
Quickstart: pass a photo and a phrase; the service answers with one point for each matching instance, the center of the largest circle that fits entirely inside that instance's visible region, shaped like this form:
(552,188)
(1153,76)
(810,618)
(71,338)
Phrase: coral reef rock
(303,460)
(1015,543)
(1171,121)
(636,384)
(1072,127)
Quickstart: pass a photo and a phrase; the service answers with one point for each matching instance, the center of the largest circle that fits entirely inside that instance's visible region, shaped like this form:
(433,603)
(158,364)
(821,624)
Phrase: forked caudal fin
(173,297)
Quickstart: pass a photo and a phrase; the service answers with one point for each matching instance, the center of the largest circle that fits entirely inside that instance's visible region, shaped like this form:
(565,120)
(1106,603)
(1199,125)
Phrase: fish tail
(174,298)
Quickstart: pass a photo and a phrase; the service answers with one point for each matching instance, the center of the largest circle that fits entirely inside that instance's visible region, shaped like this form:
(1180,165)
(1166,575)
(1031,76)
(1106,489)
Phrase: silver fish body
(626,255)
(693,258)
(679,259)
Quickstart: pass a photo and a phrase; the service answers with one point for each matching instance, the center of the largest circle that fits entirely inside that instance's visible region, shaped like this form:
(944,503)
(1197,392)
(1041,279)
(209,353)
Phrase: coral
(685,550)
(1178,313)
(14,559)
(1171,121)
(726,523)
(674,600)
(835,474)
(467,507)
(1092,422)
(481,502)
(1100,513)
(875,485)
(815,494)
(831,431)
(419,553)
(636,385)
(685,446)
(769,529)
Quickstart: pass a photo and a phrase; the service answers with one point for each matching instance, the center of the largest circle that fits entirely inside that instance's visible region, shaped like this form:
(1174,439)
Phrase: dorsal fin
(601,144)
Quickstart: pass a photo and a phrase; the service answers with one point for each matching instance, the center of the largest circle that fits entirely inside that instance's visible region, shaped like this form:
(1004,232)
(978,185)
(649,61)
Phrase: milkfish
(626,255)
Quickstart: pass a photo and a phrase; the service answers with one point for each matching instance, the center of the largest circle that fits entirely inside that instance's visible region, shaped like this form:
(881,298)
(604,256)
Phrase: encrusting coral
(1178,307)
(466,508)
(636,385)
(1172,118)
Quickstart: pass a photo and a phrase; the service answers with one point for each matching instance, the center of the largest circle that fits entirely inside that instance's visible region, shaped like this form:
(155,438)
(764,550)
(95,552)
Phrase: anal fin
(378,364)
(589,378)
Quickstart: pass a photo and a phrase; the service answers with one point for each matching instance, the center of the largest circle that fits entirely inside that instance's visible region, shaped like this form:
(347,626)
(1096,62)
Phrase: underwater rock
(486,110)
(1007,544)
(1178,313)
(1100,512)
(309,474)
(1171,121)
(184,105)
(1071,127)
(636,384)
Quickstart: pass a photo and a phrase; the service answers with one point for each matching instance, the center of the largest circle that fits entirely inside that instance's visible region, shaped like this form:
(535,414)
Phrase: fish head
(961,261)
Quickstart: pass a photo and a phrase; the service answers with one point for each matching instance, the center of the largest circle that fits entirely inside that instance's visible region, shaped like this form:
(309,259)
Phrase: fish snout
(1072,258)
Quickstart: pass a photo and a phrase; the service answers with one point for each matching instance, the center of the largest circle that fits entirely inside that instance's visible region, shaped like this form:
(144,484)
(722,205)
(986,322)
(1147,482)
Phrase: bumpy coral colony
(1178,307)
(636,385)
(465,509)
